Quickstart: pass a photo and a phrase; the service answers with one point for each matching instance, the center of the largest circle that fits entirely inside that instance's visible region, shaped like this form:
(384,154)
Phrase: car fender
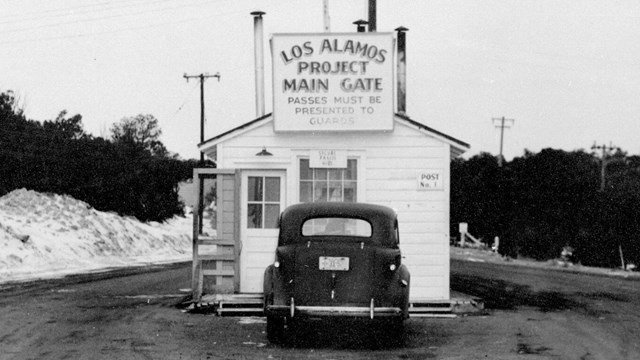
(404,275)
(267,285)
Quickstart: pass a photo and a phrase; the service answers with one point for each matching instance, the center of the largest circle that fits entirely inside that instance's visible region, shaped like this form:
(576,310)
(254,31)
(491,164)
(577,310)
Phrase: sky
(567,72)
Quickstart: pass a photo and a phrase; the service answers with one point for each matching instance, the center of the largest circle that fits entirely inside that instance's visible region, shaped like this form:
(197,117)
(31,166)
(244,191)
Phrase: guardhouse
(338,132)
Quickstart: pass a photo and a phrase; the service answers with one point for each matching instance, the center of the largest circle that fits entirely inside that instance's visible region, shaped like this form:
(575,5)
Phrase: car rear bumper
(330,311)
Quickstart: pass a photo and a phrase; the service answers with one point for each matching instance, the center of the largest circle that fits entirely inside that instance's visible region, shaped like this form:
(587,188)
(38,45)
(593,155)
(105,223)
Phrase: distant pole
(502,126)
(326,17)
(202,78)
(604,161)
(372,16)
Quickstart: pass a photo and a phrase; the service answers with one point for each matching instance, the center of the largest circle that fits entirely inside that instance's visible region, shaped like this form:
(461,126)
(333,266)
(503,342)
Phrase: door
(262,200)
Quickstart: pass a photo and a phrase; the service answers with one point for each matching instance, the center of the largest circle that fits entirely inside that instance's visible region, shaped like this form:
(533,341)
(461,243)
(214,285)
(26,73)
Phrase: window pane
(321,174)
(336,226)
(350,191)
(254,216)
(320,191)
(305,191)
(271,213)
(333,184)
(255,188)
(335,191)
(305,171)
(272,189)
(351,173)
(335,174)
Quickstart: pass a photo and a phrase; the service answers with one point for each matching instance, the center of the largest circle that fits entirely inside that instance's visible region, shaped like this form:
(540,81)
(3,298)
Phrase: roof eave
(458,147)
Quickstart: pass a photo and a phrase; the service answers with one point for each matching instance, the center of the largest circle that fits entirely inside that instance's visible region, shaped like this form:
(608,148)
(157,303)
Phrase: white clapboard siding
(389,164)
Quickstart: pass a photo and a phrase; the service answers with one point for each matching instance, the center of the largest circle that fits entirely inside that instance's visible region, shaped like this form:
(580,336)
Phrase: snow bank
(46,235)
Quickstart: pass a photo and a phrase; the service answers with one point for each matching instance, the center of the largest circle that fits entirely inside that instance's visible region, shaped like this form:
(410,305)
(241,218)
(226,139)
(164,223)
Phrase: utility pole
(326,17)
(604,161)
(202,77)
(503,124)
(603,180)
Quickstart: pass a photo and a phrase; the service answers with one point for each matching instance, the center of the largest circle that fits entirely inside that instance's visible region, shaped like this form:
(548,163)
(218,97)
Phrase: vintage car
(336,260)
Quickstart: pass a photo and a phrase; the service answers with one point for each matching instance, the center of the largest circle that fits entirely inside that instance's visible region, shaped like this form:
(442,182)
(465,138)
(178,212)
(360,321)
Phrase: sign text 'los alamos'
(333,82)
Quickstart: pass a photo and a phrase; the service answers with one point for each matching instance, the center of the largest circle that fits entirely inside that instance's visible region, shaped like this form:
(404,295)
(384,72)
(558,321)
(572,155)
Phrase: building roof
(458,147)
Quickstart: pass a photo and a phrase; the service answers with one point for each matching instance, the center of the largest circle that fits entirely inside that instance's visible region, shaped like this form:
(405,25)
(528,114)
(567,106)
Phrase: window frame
(323,176)
(264,202)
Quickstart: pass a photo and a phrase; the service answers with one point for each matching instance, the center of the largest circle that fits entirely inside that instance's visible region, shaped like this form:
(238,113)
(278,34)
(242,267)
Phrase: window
(263,202)
(322,184)
(336,227)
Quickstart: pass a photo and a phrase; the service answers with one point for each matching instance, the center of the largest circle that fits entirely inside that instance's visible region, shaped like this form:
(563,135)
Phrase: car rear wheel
(275,329)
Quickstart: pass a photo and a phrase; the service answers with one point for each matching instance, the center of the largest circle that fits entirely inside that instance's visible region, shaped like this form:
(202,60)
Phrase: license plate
(334,263)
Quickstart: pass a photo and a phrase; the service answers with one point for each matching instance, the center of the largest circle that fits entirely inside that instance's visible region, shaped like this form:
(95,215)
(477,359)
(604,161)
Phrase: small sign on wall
(431,179)
(328,159)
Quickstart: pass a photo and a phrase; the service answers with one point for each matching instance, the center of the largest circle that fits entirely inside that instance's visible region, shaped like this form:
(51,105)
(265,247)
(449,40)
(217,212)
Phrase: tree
(140,131)
(131,175)
(9,106)
(66,129)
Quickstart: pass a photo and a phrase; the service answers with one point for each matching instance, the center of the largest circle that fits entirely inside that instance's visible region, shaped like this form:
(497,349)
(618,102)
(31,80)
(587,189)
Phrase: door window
(321,184)
(263,202)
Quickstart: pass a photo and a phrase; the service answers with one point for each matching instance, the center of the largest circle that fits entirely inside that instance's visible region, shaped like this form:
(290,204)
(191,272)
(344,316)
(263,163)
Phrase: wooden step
(217,272)
(211,240)
(240,306)
(219,257)
(432,309)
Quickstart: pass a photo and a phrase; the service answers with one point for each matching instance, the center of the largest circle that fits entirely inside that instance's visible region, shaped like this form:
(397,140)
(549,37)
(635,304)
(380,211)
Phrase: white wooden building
(382,167)
(369,152)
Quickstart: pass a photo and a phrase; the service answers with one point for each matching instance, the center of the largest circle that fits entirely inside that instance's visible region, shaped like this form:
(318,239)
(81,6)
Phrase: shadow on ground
(504,295)
(361,334)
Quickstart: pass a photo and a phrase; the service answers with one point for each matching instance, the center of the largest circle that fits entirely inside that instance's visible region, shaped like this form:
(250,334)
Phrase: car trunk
(334,273)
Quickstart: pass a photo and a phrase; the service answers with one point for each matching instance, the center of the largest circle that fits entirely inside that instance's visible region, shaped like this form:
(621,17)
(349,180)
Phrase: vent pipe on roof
(360,25)
(402,70)
(259,61)
(372,16)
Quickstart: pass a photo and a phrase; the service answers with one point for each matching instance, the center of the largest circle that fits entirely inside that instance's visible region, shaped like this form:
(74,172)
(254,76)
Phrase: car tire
(275,329)
(291,333)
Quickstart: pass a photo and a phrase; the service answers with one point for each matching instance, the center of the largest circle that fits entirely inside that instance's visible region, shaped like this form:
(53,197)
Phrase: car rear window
(336,226)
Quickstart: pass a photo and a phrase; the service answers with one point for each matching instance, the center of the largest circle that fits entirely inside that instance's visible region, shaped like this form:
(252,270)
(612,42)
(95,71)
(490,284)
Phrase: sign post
(463,228)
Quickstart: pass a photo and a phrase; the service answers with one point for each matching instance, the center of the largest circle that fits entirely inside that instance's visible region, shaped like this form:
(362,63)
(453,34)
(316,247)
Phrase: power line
(185,100)
(41,12)
(502,126)
(78,10)
(106,17)
(142,27)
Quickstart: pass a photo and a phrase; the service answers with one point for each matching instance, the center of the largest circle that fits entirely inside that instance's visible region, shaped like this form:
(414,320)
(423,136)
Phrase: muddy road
(132,314)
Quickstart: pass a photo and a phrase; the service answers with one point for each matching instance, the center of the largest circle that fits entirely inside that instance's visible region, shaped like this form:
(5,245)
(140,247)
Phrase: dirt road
(533,314)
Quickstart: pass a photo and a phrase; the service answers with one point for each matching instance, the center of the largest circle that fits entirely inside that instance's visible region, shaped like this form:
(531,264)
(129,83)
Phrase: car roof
(337,209)
(381,218)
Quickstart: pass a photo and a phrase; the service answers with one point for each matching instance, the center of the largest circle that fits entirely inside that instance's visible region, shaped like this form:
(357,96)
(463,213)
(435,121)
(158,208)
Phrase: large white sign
(333,82)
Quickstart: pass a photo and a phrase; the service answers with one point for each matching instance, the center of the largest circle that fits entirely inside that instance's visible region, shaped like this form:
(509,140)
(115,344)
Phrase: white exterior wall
(388,165)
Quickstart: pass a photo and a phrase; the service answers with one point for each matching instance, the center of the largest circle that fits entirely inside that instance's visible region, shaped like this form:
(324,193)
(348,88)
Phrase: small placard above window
(431,179)
(335,159)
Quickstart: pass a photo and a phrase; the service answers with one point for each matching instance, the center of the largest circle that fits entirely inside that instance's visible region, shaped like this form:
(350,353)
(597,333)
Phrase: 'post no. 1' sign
(333,82)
